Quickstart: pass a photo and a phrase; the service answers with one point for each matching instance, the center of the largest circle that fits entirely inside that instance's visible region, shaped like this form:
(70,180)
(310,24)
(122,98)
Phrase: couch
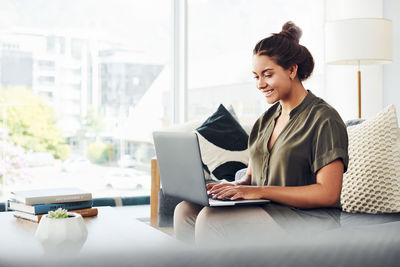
(362,240)
(162,206)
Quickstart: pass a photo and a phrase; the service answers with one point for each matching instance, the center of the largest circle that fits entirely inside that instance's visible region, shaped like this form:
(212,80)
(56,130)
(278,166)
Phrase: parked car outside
(39,159)
(127,161)
(75,165)
(127,180)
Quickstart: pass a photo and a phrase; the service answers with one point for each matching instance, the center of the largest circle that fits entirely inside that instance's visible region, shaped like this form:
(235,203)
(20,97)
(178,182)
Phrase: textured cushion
(223,145)
(240,174)
(353,122)
(371,183)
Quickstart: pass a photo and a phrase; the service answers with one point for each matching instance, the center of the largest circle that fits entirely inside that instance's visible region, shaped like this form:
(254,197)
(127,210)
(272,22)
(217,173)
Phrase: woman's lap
(231,224)
(304,221)
(267,221)
(247,222)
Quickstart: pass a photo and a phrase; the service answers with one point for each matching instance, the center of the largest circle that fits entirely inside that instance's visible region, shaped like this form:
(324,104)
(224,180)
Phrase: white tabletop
(112,230)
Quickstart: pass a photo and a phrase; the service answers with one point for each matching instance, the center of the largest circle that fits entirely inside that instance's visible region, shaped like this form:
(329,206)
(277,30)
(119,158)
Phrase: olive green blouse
(314,136)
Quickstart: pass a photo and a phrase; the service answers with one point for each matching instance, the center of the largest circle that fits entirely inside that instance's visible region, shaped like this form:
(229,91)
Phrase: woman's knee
(209,215)
(185,215)
(210,225)
(232,224)
(186,212)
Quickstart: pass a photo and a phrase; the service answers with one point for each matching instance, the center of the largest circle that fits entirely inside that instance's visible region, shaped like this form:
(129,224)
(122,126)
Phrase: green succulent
(58,214)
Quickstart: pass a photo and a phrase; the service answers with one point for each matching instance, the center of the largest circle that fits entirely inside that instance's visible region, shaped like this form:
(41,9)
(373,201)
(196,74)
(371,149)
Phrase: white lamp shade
(359,41)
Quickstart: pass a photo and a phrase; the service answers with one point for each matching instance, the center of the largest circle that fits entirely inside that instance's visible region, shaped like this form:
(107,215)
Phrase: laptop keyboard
(223,199)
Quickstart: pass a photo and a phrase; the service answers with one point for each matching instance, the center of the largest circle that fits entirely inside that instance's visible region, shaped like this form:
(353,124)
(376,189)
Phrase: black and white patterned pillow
(223,145)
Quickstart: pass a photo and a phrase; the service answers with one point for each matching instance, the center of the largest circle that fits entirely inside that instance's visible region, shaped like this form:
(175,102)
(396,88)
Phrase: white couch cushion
(371,183)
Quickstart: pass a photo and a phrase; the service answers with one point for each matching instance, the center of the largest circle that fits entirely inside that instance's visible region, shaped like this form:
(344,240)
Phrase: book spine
(36,218)
(57,199)
(45,208)
(83,212)
(12,205)
(32,218)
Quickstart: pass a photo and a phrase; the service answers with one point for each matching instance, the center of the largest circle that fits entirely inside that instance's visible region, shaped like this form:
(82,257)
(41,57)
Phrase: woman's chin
(271,100)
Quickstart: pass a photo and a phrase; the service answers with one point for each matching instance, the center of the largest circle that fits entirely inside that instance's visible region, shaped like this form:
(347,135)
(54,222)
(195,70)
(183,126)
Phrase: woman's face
(272,80)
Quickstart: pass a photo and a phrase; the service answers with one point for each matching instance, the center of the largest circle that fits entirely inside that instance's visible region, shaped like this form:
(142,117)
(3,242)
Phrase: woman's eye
(268,75)
(255,77)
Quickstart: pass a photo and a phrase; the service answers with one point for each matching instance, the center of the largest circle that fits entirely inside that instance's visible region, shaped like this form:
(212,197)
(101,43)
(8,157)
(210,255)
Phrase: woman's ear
(293,71)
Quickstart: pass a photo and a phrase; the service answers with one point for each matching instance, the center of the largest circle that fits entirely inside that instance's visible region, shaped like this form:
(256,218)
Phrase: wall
(341,80)
(391,72)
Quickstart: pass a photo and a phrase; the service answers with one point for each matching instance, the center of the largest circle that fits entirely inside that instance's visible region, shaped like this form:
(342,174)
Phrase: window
(45,80)
(222,35)
(77,47)
(46,65)
(95,75)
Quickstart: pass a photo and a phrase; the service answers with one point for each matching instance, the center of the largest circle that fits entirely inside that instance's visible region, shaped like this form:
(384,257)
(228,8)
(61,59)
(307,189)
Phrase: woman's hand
(212,188)
(237,192)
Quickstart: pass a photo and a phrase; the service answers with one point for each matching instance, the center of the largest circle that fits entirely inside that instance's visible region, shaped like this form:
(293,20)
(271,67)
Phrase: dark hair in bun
(285,50)
(291,31)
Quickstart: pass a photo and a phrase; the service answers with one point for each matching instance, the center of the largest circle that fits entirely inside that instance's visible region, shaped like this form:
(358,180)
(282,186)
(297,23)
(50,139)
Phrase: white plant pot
(62,235)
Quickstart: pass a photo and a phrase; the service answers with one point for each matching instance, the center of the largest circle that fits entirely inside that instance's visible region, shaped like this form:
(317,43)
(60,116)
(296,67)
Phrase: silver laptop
(181,169)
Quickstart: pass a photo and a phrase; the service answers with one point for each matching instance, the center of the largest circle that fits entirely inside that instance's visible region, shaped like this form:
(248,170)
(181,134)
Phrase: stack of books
(33,204)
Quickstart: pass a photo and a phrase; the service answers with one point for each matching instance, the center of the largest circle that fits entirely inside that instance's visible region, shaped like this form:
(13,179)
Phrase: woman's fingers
(236,196)
(212,188)
(236,192)
(218,187)
(210,185)
(226,192)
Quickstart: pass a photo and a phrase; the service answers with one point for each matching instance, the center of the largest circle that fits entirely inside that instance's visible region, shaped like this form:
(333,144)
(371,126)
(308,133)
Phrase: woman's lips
(268,93)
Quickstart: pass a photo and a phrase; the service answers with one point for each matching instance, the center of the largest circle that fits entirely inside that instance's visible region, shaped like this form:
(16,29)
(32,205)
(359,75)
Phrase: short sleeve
(330,143)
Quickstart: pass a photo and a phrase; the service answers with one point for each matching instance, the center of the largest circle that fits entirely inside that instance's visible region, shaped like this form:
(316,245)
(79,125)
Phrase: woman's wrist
(236,182)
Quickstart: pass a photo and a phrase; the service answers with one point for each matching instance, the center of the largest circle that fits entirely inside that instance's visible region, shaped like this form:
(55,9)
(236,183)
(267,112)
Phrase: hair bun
(290,30)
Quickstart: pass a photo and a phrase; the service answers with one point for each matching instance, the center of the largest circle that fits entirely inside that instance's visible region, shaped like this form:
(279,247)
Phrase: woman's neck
(295,97)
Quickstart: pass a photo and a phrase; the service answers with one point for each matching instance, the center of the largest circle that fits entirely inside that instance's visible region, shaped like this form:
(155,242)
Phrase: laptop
(181,170)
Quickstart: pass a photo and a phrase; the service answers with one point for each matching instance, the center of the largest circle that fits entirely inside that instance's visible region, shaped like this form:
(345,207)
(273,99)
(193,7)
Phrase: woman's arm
(325,193)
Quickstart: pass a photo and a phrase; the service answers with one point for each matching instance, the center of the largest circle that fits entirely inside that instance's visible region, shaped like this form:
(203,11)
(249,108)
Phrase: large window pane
(82,86)
(222,35)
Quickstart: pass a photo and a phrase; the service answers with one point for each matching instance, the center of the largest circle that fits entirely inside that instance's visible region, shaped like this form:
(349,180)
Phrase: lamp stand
(359,94)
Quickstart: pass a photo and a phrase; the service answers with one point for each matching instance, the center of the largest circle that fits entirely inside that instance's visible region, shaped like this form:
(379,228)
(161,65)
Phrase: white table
(113,231)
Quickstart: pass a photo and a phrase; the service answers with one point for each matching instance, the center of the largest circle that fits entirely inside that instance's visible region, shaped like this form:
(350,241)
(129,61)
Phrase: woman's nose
(261,84)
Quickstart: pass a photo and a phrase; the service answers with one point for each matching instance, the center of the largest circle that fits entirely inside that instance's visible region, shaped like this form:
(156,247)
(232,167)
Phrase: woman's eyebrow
(267,69)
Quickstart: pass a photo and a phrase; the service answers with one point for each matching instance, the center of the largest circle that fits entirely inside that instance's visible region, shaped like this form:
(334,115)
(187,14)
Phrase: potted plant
(61,230)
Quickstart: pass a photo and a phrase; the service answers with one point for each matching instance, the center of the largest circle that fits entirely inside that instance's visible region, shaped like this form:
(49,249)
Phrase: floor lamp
(358,42)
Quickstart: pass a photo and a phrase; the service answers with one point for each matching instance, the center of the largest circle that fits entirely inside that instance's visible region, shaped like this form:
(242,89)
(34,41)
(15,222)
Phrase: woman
(298,154)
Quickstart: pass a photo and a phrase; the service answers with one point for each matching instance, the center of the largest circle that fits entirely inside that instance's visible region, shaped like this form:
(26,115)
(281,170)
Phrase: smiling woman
(298,154)
(219,63)
(274,79)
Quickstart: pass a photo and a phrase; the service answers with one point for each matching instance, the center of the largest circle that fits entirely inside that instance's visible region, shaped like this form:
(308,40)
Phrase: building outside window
(93,70)
(84,83)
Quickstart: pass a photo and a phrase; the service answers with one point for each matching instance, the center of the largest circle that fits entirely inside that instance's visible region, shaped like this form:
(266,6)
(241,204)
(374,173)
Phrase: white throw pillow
(372,181)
